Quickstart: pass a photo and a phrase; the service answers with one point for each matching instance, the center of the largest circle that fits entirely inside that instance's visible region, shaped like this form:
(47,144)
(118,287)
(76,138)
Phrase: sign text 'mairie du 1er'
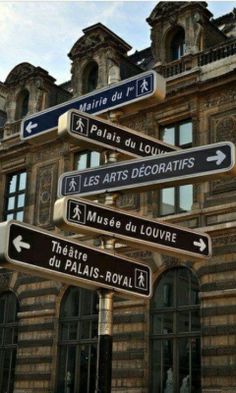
(181,167)
(129,93)
(33,250)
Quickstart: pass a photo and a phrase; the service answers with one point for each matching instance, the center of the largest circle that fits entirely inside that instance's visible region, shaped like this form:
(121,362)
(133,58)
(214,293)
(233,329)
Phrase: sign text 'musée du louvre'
(93,132)
(82,216)
(129,92)
(32,250)
(181,167)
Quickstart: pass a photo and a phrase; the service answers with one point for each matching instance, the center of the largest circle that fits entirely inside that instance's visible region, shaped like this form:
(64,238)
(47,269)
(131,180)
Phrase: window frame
(175,336)
(79,343)
(14,194)
(89,158)
(177,137)
(11,348)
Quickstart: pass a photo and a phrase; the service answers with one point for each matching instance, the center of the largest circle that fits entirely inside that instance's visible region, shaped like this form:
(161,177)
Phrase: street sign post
(82,216)
(32,250)
(181,167)
(127,94)
(93,132)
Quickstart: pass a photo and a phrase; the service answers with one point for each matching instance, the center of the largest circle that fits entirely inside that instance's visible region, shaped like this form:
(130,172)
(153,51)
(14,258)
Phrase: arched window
(177,44)
(78,341)
(90,77)
(8,340)
(22,104)
(175,334)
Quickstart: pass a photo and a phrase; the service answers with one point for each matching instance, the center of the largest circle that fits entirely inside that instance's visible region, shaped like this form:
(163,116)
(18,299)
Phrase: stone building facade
(184,338)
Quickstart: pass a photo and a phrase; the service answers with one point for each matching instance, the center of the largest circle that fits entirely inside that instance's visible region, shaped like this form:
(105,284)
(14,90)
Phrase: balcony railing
(173,68)
(190,61)
(217,53)
(11,129)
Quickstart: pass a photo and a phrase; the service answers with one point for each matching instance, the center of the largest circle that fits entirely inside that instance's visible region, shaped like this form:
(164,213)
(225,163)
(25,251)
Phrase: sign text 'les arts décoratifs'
(181,167)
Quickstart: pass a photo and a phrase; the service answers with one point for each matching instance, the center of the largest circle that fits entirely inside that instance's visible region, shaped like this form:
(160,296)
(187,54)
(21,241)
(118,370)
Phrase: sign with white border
(83,216)
(29,249)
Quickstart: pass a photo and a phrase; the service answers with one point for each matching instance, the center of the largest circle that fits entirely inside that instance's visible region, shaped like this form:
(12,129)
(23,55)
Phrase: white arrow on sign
(30,127)
(201,244)
(19,244)
(219,157)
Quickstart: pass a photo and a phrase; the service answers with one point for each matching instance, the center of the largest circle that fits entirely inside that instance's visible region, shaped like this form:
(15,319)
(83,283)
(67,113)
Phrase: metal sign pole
(104,349)
(105,319)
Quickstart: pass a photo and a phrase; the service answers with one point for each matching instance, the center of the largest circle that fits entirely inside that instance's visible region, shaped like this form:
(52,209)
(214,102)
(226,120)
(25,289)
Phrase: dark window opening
(8,340)
(177,46)
(175,334)
(90,77)
(78,341)
(22,104)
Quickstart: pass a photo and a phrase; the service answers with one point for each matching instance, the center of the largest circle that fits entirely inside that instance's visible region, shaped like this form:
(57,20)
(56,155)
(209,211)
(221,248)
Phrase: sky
(43,32)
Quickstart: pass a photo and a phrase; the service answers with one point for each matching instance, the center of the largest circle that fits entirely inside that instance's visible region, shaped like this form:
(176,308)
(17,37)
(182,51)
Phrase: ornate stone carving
(224,240)
(86,42)
(21,71)
(129,201)
(164,9)
(226,129)
(45,193)
(4,281)
(223,128)
(219,99)
(48,153)
(198,28)
(139,123)
(113,71)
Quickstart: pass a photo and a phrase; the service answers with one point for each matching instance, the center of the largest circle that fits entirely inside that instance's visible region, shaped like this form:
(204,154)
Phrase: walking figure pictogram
(141,280)
(80,125)
(72,184)
(144,86)
(77,212)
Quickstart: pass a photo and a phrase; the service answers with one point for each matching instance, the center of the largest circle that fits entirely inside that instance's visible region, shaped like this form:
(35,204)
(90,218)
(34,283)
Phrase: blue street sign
(130,91)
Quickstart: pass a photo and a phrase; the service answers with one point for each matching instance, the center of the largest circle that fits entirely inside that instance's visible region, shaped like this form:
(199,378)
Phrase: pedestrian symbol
(80,124)
(72,185)
(77,212)
(144,85)
(141,279)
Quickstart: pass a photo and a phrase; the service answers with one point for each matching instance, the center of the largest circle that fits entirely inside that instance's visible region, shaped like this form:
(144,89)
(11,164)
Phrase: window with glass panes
(86,159)
(175,334)
(15,196)
(78,341)
(177,199)
(8,340)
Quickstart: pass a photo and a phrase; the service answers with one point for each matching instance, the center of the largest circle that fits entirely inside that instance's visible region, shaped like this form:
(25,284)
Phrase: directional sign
(130,92)
(82,216)
(182,167)
(91,131)
(29,249)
